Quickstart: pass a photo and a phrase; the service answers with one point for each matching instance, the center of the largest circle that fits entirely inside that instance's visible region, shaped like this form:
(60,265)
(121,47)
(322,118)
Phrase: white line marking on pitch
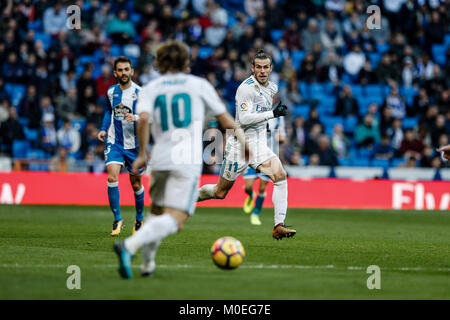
(248,266)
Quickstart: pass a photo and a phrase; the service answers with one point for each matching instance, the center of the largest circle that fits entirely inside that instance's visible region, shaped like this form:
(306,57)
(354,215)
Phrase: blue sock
(259,203)
(139,197)
(114,199)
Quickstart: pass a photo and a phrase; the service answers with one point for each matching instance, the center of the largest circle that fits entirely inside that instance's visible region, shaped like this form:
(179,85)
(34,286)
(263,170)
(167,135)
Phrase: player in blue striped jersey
(119,129)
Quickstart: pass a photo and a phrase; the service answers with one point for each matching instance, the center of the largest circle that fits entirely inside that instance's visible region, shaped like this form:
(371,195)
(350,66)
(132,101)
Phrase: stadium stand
(55,59)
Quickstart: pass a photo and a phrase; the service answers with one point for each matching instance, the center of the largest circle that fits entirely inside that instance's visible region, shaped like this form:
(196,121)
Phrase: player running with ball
(175,104)
(254,99)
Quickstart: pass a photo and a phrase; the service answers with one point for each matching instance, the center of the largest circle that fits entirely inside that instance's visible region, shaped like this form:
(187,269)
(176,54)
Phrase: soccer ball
(227,253)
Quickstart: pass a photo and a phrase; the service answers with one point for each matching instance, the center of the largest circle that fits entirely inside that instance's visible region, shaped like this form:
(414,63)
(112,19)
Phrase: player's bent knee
(112,179)
(280,176)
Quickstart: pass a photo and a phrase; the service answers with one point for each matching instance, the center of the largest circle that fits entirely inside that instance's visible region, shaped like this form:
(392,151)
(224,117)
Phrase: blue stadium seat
(83,59)
(204,52)
(115,50)
(23,121)
(396,161)
(135,17)
(20,148)
(297,58)
(384,163)
(374,58)
(372,90)
(360,162)
(276,34)
(350,124)
(302,110)
(382,47)
(16,92)
(79,124)
(231,20)
(35,154)
(331,121)
(31,134)
(345,162)
(364,153)
(447,40)
(410,122)
(439,51)
(45,38)
(305,159)
(35,25)
(302,87)
(357,90)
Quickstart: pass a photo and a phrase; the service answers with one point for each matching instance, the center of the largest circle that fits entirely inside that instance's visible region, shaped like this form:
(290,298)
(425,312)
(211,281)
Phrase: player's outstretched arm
(445,151)
(143,133)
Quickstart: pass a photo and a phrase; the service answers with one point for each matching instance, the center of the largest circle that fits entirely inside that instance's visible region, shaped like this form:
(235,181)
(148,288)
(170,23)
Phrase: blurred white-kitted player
(174,105)
(254,98)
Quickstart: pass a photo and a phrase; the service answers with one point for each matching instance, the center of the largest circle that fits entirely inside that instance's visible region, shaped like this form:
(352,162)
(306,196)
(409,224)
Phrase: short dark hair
(122,59)
(261,54)
(172,55)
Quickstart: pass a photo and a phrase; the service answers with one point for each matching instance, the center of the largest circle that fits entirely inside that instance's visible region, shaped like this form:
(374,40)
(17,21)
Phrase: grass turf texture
(327,259)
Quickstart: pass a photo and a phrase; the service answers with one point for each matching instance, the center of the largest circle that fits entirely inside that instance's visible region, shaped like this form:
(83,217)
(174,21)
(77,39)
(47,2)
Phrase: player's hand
(138,164)
(280,110)
(129,117)
(445,151)
(101,136)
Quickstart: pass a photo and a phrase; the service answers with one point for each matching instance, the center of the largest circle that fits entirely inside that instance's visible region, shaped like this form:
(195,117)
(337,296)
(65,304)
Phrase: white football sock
(149,251)
(153,230)
(279,199)
(206,192)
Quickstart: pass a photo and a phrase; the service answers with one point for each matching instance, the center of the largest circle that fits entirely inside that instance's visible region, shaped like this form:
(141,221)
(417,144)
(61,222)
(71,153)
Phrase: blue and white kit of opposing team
(121,145)
(119,126)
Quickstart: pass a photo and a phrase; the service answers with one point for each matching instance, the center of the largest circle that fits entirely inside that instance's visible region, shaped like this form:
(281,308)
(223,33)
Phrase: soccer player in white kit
(175,105)
(254,98)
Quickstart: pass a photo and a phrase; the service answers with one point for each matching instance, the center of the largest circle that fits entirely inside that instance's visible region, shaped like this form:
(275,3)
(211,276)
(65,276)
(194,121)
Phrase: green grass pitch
(327,259)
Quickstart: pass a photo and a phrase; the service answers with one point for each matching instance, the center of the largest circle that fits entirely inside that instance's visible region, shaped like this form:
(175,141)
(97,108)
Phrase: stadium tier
(338,76)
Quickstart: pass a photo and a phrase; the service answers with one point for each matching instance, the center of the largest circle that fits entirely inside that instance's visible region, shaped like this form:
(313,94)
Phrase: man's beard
(124,82)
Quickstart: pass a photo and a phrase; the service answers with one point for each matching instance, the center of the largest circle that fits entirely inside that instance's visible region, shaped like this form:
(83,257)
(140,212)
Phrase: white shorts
(234,164)
(174,189)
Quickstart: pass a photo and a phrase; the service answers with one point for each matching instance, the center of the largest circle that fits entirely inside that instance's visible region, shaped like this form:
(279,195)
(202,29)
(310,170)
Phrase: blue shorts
(115,153)
(251,173)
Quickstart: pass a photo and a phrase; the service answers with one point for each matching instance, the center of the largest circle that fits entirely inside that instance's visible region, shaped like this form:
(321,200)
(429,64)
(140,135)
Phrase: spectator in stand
(397,103)
(276,15)
(312,139)
(346,104)
(12,70)
(330,67)
(29,108)
(11,130)
(66,105)
(366,133)
(298,137)
(292,36)
(411,145)
(48,133)
(386,71)
(409,72)
(291,96)
(331,38)
(47,108)
(396,134)
(313,119)
(68,137)
(383,149)
(310,35)
(4,110)
(54,19)
(120,28)
(354,61)
(411,162)
(104,81)
(252,7)
(434,31)
(425,68)
(61,162)
(339,142)
(327,156)
(308,69)
(438,129)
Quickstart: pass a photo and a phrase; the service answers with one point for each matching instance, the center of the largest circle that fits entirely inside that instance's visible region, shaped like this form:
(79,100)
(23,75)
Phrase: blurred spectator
(411,146)
(434,31)
(120,28)
(292,36)
(383,149)
(12,70)
(66,105)
(310,35)
(386,72)
(47,108)
(311,143)
(61,162)
(29,108)
(331,38)
(346,104)
(54,19)
(313,119)
(308,70)
(354,61)
(253,6)
(397,103)
(411,162)
(291,96)
(94,163)
(409,72)
(68,137)
(438,129)
(366,133)
(298,137)
(327,156)
(104,80)
(48,133)
(330,67)
(11,129)
(4,110)
(276,16)
(339,141)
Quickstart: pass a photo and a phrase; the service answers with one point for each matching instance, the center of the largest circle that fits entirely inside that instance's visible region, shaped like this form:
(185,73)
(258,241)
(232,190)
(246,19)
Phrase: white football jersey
(254,108)
(177,104)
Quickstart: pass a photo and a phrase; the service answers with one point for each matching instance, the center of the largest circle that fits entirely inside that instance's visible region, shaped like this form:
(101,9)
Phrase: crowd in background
(65,72)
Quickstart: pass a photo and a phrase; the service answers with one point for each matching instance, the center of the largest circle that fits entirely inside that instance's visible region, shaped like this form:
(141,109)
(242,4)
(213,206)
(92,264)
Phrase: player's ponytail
(261,54)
